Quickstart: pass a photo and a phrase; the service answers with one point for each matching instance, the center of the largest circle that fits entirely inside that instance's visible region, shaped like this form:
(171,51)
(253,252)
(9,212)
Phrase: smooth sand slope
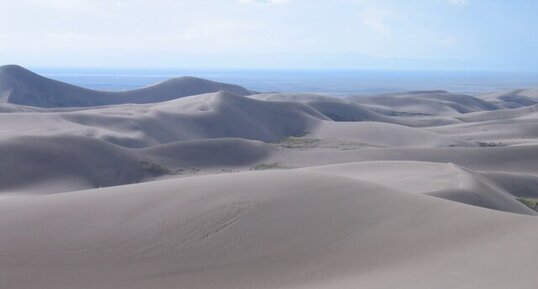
(161,187)
(278,229)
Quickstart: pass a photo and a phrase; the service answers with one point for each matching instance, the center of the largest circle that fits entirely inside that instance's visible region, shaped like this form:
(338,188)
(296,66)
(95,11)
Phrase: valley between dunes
(191,183)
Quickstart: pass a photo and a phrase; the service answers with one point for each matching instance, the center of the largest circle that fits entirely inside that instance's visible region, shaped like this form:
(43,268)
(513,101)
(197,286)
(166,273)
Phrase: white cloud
(264,1)
(458,2)
(376,19)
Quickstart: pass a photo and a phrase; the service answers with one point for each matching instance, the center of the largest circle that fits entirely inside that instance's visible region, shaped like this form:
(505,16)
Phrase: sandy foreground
(210,185)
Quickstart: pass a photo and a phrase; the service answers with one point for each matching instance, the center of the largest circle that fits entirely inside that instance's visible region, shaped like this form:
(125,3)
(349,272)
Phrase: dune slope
(298,230)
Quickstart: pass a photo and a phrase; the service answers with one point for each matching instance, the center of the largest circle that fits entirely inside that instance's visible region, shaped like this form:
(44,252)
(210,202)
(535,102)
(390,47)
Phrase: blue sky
(300,34)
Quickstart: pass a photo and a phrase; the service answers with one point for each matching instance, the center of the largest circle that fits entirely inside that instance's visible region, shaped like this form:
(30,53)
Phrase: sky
(500,35)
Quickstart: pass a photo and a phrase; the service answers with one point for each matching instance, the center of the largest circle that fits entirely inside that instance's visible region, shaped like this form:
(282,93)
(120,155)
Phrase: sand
(196,184)
(21,86)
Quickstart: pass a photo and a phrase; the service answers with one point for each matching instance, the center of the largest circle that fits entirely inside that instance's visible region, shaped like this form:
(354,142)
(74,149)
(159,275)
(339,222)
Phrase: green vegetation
(301,142)
(154,170)
(531,203)
(269,166)
(186,171)
(294,142)
(337,117)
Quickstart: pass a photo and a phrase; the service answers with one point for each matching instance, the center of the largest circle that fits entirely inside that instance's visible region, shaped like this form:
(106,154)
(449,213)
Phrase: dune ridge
(21,86)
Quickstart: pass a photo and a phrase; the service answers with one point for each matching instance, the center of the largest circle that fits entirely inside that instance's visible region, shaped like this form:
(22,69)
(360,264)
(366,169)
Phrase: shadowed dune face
(34,160)
(337,109)
(42,164)
(514,98)
(423,189)
(215,115)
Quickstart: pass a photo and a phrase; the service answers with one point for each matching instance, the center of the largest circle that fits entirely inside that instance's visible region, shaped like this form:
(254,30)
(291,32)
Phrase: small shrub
(294,142)
(268,166)
(154,169)
(531,203)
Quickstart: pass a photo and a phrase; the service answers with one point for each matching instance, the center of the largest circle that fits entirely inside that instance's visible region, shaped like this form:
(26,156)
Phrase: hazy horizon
(333,82)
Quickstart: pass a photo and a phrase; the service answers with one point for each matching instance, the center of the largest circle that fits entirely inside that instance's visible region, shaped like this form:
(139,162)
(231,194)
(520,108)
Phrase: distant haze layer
(336,82)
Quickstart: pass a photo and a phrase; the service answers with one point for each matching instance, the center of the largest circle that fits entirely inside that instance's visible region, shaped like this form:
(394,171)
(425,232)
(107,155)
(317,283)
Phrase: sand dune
(385,135)
(424,103)
(423,189)
(214,115)
(21,86)
(208,153)
(513,99)
(444,180)
(31,162)
(528,112)
(500,127)
(305,230)
(518,159)
(521,185)
(41,165)
(337,109)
